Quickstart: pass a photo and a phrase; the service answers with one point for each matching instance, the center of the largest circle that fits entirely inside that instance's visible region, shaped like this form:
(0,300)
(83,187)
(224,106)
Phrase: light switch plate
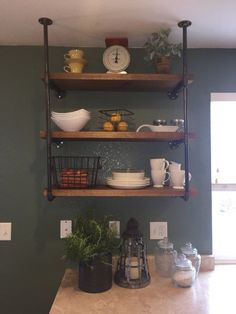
(158,230)
(5,231)
(115,224)
(65,228)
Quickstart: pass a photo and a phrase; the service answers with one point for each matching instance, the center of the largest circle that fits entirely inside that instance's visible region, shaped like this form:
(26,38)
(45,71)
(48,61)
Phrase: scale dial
(116,58)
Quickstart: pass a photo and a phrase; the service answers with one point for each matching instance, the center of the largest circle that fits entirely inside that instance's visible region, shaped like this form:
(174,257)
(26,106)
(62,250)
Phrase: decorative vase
(163,65)
(97,275)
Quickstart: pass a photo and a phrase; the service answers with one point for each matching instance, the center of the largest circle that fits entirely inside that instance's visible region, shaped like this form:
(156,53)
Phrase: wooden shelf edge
(150,82)
(102,135)
(118,77)
(110,192)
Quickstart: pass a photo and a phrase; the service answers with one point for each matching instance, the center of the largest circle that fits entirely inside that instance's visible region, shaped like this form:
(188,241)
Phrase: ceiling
(86,23)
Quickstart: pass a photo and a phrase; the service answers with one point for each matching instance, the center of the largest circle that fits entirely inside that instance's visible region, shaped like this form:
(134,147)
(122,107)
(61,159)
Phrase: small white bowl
(71,124)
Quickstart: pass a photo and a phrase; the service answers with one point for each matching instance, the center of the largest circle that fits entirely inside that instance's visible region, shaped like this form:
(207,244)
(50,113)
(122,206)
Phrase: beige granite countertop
(212,293)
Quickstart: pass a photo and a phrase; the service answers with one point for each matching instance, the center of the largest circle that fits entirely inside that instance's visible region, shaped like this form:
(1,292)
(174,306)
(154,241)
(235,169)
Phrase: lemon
(115,117)
(122,126)
(108,126)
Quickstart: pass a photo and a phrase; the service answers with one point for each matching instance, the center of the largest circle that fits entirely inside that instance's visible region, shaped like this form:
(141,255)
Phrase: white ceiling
(86,23)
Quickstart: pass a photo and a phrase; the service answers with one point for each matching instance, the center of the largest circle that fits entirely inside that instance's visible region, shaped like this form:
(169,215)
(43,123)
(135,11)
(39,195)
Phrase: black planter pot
(97,276)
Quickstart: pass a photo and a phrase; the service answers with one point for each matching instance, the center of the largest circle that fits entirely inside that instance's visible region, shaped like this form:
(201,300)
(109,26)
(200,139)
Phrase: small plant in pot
(159,50)
(91,245)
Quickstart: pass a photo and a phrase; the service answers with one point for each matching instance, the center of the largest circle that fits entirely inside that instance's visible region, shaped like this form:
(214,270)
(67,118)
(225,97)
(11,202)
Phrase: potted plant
(91,245)
(159,50)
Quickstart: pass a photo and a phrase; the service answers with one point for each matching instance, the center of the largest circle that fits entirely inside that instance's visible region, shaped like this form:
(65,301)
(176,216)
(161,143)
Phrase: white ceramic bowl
(128,175)
(71,124)
(70,114)
(78,116)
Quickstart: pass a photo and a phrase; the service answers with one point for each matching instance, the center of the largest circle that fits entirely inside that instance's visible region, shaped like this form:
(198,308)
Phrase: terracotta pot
(97,276)
(163,65)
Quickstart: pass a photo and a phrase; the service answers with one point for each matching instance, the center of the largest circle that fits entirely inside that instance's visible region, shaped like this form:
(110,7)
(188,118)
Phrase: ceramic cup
(159,164)
(178,178)
(159,177)
(74,54)
(76,67)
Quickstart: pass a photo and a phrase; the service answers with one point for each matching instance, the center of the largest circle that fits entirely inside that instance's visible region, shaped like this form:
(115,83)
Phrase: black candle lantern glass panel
(132,267)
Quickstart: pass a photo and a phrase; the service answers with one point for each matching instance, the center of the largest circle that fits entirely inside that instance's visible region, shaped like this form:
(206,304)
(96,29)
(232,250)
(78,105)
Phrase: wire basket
(75,172)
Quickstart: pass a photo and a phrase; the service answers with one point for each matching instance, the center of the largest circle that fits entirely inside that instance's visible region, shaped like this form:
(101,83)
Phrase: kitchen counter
(212,293)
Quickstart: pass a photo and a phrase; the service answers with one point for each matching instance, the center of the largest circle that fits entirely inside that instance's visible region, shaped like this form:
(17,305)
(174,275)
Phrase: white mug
(159,177)
(159,164)
(178,178)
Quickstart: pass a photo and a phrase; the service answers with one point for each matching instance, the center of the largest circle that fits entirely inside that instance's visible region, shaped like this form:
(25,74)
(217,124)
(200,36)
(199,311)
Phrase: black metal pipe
(46,22)
(184,25)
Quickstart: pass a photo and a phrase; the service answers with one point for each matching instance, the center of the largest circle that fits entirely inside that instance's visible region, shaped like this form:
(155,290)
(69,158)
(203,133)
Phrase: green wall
(30,265)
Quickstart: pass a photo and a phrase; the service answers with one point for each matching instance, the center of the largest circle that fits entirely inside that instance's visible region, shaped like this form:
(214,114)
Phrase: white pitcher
(174,166)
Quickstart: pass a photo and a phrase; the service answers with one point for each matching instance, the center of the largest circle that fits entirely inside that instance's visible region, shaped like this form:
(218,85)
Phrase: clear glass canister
(192,254)
(184,273)
(165,257)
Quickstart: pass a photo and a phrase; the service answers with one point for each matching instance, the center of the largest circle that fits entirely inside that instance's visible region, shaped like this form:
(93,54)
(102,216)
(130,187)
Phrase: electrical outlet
(158,230)
(115,225)
(5,231)
(65,228)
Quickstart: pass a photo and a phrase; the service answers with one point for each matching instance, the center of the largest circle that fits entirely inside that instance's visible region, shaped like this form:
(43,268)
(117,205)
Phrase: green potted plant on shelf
(91,244)
(159,50)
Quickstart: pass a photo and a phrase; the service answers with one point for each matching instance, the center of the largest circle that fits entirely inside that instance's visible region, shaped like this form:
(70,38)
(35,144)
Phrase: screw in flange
(184,23)
(45,21)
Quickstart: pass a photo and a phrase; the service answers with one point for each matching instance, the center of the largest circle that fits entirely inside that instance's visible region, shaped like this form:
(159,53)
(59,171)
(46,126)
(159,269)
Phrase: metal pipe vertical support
(46,22)
(184,25)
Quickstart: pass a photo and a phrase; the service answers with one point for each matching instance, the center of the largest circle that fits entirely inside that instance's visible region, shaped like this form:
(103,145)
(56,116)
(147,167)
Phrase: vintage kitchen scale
(116,57)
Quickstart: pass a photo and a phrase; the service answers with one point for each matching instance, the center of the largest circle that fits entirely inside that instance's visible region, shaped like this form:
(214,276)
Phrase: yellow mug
(76,67)
(74,54)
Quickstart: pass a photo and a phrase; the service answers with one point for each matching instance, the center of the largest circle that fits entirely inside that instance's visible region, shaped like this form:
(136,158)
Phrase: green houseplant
(91,244)
(159,50)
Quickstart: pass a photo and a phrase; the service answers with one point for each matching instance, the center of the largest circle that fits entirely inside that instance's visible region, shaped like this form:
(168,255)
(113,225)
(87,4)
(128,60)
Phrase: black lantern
(132,268)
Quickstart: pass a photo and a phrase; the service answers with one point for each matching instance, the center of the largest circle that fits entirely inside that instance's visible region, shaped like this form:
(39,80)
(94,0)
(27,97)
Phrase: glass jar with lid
(159,122)
(192,254)
(184,273)
(165,257)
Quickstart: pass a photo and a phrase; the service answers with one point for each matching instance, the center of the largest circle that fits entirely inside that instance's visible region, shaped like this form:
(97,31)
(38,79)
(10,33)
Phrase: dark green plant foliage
(158,46)
(90,238)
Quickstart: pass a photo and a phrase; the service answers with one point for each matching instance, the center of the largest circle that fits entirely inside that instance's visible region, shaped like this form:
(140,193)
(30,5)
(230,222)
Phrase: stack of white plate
(71,121)
(128,179)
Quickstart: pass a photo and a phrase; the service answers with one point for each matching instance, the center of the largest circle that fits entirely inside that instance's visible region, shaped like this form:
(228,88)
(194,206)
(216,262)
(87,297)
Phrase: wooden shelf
(105,191)
(115,82)
(119,136)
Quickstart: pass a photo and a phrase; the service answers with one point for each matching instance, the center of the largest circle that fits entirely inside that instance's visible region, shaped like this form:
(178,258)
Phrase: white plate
(128,182)
(127,186)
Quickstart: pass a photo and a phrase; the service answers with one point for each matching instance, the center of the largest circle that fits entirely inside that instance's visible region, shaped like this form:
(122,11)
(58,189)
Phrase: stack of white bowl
(71,121)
